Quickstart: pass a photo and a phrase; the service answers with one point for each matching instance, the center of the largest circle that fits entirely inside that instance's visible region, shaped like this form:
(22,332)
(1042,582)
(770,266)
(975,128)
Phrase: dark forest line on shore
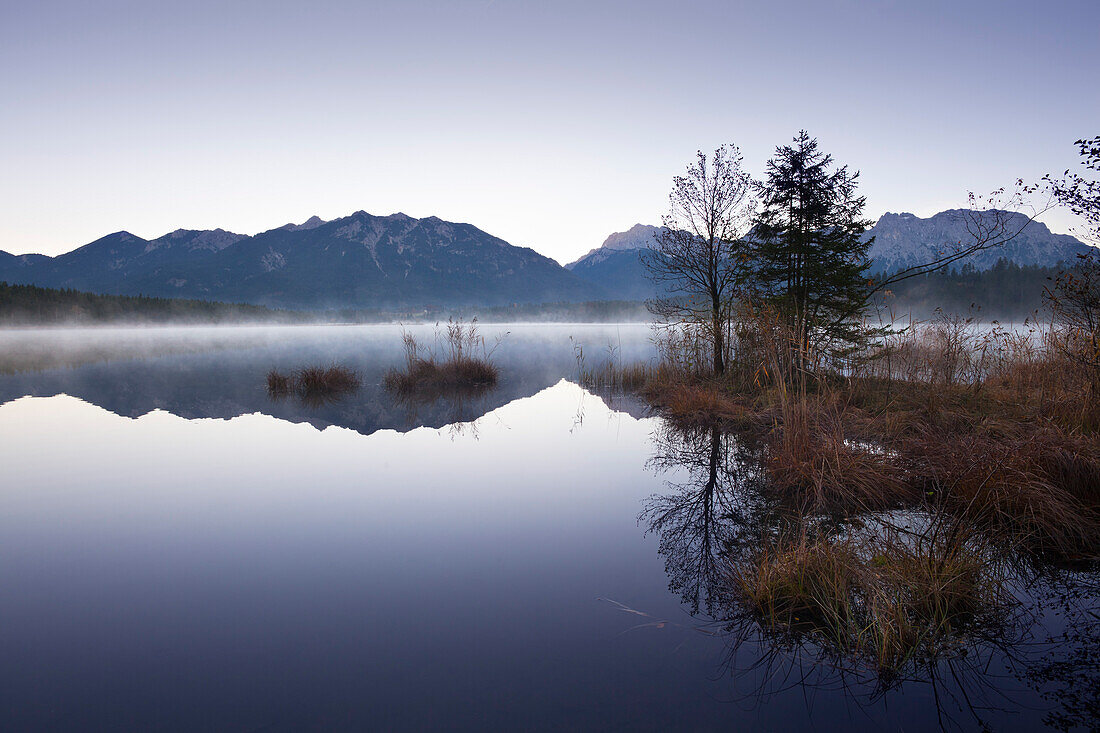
(30,305)
(1008,292)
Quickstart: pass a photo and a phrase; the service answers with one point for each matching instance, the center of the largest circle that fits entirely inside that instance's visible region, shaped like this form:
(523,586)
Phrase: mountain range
(900,240)
(396,261)
(359,260)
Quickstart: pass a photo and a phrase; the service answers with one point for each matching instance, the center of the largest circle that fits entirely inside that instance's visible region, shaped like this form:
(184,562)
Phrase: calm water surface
(180,552)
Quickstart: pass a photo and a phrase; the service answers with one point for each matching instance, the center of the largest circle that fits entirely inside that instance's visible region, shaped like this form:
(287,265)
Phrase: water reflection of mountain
(197,373)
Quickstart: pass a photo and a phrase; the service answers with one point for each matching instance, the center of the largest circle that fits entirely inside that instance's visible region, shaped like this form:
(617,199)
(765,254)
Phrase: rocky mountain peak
(311,223)
(904,240)
(637,237)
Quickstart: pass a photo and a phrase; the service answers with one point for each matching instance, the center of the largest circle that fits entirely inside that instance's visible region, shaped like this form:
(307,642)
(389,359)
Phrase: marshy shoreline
(899,504)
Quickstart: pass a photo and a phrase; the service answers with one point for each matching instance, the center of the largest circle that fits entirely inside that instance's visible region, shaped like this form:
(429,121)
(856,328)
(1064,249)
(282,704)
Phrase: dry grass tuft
(278,384)
(802,585)
(885,598)
(322,380)
(313,384)
(464,368)
(813,467)
(693,405)
(425,376)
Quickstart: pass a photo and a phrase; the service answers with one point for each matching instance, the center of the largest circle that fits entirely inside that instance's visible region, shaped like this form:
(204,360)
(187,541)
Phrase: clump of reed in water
(460,364)
(313,383)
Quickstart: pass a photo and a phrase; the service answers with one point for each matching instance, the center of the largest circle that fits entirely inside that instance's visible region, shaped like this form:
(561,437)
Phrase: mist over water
(219,372)
(180,551)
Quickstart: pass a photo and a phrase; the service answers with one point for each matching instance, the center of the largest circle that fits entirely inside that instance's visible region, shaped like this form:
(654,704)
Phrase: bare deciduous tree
(1074,297)
(699,258)
(1080,193)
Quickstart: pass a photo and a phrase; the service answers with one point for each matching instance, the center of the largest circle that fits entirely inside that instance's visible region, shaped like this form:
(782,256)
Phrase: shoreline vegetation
(896,487)
(458,365)
(906,491)
(30,305)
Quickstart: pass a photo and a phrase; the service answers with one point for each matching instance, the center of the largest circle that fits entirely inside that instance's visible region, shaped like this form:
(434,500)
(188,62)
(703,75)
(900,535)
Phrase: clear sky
(550,124)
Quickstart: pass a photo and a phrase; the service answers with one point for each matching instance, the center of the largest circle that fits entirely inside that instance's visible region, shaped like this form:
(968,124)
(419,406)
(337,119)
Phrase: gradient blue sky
(550,124)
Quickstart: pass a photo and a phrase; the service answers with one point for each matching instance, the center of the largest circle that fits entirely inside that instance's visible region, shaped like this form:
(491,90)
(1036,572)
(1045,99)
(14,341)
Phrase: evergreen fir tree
(810,253)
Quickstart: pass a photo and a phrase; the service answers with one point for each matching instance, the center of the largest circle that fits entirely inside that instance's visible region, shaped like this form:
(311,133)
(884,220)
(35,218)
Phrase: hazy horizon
(547,126)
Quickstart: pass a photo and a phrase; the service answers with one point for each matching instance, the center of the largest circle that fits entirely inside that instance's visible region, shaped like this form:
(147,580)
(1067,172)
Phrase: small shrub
(805,585)
(325,380)
(428,377)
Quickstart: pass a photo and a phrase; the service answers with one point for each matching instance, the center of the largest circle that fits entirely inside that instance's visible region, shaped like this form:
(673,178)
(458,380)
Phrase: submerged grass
(885,598)
(313,384)
(630,377)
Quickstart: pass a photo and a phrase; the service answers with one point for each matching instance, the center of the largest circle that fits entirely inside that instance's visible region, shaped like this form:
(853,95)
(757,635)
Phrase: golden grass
(991,441)
(464,367)
(1006,438)
(885,599)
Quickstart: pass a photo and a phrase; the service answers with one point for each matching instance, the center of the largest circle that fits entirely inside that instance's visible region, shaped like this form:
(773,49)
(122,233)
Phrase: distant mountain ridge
(901,240)
(638,237)
(904,240)
(359,260)
(397,261)
(616,265)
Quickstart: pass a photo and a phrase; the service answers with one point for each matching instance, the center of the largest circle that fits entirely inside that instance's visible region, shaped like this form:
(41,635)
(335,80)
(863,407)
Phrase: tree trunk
(719,335)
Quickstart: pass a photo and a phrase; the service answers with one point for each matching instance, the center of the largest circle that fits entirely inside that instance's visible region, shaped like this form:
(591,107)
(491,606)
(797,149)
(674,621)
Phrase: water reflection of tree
(1067,673)
(715,513)
(704,518)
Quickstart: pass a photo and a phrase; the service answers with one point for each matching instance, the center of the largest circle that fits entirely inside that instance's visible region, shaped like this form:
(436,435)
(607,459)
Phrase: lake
(180,551)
